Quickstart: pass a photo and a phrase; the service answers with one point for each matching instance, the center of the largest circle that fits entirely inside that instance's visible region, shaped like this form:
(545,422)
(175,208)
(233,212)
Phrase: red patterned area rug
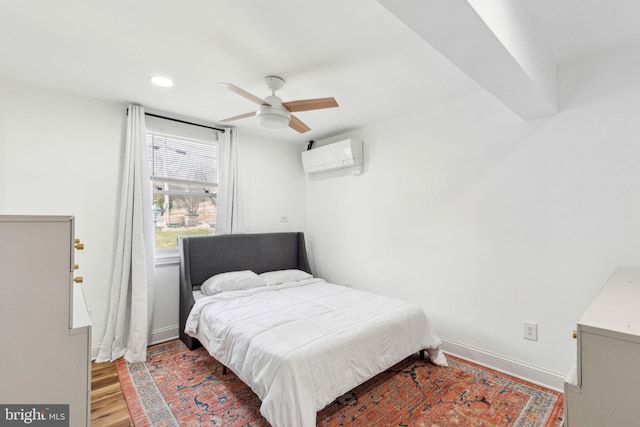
(178,387)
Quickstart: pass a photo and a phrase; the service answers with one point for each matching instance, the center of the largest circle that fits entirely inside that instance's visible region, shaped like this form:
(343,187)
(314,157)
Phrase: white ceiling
(353,50)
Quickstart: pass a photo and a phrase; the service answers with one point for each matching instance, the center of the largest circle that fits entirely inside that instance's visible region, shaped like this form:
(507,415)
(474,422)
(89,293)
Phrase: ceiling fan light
(273,118)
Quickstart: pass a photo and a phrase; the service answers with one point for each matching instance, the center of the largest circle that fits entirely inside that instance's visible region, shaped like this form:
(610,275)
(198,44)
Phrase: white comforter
(300,345)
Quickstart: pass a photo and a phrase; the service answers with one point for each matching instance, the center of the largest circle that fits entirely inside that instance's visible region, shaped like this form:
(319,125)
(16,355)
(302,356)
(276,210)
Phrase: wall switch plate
(530,331)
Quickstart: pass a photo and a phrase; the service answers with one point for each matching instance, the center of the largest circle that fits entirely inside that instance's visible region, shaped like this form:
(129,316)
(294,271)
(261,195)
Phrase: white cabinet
(45,338)
(603,386)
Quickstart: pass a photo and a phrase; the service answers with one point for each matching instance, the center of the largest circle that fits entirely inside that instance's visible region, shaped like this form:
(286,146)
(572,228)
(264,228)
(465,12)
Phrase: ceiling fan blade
(238,117)
(297,125)
(310,104)
(235,89)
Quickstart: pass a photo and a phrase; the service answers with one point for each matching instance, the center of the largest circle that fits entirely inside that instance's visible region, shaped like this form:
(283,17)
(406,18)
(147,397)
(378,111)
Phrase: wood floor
(108,407)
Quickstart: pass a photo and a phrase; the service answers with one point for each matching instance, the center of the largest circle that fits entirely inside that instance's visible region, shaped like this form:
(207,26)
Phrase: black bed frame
(204,256)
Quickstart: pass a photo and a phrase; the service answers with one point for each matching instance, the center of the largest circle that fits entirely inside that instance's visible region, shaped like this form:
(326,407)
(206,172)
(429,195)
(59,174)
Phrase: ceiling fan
(272,112)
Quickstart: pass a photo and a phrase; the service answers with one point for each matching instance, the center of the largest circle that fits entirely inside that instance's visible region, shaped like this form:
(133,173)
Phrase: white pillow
(283,276)
(231,281)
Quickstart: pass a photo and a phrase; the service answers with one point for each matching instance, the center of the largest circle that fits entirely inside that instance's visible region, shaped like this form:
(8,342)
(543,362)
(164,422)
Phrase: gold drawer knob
(77,279)
(79,246)
(575,334)
(76,266)
(76,240)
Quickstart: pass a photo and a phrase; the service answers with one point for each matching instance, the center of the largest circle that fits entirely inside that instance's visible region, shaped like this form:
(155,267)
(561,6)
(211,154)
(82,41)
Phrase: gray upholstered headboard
(204,256)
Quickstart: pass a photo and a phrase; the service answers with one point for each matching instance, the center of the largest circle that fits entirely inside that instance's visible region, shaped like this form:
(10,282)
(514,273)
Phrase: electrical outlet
(530,331)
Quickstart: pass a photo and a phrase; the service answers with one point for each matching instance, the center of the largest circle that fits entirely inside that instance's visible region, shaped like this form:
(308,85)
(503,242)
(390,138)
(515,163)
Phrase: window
(183,163)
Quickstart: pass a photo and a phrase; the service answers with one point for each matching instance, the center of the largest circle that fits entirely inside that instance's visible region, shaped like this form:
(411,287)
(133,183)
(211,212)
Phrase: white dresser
(45,338)
(603,387)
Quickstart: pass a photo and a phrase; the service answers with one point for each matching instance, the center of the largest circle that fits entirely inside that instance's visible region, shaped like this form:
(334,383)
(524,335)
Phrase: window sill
(167,257)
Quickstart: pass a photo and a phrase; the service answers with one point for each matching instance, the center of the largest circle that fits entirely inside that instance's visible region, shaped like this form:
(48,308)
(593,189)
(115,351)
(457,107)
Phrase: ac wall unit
(339,155)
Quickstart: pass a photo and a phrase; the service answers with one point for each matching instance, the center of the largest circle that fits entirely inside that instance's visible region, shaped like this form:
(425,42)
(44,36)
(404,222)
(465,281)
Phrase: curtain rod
(183,121)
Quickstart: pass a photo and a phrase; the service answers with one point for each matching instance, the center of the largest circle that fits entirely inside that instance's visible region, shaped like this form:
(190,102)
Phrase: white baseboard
(164,334)
(516,368)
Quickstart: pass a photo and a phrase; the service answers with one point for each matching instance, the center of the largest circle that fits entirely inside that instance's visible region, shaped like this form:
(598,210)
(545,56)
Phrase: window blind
(182,158)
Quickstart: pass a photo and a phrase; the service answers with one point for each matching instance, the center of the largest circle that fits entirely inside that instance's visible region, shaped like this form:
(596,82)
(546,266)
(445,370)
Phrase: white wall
(273,184)
(62,154)
(486,220)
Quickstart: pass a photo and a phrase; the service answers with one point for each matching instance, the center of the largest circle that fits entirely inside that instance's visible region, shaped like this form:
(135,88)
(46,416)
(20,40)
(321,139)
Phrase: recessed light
(161,81)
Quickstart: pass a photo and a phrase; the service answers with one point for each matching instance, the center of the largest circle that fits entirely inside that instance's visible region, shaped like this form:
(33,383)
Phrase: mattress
(300,345)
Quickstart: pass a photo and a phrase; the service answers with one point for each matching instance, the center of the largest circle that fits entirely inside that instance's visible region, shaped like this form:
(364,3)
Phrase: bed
(298,341)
